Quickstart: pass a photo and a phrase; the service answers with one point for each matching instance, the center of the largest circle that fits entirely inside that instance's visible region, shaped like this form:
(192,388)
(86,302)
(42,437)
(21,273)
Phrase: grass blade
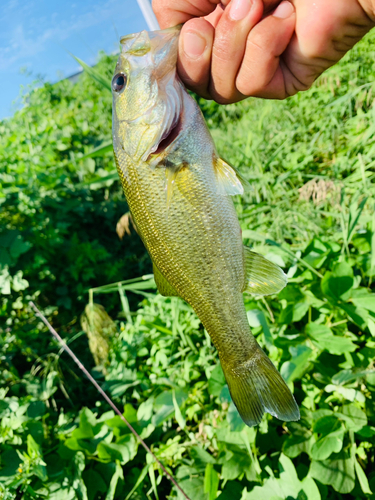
(99,151)
(139,481)
(93,73)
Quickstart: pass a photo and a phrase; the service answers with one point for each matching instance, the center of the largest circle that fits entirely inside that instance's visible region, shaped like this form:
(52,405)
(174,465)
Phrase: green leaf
(139,481)
(119,474)
(233,417)
(287,486)
(211,482)
(299,441)
(18,283)
(164,407)
(151,473)
(367,432)
(94,482)
(79,463)
(355,418)
(323,338)
(232,491)
(36,409)
(257,318)
(192,486)
(348,393)
(355,211)
(358,315)
(177,412)
(363,481)
(347,376)
(123,451)
(325,446)
(326,424)
(299,310)
(337,472)
(86,446)
(87,423)
(216,381)
(10,461)
(294,369)
(239,463)
(32,446)
(337,285)
(5,281)
(331,432)
(364,299)
(310,489)
(201,456)
(19,246)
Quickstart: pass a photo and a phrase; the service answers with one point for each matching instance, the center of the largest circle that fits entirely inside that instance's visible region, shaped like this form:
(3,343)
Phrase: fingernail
(239,9)
(193,44)
(284,10)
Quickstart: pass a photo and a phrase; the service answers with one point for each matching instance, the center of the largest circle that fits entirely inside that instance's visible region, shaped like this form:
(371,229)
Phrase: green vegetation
(311,210)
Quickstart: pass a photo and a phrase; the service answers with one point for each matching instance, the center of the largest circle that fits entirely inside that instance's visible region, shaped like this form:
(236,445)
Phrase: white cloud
(29,38)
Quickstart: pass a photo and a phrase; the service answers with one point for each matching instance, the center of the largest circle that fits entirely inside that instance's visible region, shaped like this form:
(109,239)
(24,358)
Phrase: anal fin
(262,276)
(163,285)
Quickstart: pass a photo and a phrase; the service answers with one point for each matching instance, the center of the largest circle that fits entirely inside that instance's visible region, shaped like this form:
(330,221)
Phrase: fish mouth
(168,137)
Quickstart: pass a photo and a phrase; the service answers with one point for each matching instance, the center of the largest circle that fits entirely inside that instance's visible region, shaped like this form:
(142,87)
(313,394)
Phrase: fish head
(146,93)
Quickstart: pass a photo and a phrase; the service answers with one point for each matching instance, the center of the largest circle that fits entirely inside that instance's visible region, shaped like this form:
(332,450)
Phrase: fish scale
(177,191)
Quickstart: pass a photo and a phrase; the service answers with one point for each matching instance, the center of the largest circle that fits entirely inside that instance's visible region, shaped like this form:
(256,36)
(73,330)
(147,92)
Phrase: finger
(231,33)
(268,5)
(172,12)
(194,60)
(323,36)
(261,74)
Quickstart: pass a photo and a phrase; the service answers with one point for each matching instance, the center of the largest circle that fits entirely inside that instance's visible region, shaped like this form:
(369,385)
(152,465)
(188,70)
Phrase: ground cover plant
(311,210)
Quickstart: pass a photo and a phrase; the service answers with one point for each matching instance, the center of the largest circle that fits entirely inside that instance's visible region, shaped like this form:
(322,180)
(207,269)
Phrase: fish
(179,193)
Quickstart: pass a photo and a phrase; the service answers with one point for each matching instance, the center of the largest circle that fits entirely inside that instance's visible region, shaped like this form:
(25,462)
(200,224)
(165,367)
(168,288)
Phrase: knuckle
(294,84)
(250,83)
(244,86)
(221,98)
(220,51)
(223,92)
(255,44)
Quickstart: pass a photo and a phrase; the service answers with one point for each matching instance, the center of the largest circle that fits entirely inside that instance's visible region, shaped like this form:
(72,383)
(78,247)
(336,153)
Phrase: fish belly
(196,245)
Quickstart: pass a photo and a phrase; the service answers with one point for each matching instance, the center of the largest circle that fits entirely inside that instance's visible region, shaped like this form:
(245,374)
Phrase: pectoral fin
(163,285)
(230,181)
(171,172)
(262,276)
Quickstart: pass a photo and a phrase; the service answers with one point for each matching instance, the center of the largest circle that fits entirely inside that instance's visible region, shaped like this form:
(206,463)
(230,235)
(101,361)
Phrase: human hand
(263,48)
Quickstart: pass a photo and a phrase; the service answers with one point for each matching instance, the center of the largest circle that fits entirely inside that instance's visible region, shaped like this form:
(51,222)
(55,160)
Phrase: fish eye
(119,82)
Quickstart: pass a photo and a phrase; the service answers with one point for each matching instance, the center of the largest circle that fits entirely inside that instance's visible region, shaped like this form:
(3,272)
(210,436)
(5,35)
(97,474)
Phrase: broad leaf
(323,338)
(338,471)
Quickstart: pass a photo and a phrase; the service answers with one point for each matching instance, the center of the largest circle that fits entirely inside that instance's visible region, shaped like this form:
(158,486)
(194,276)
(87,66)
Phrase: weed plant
(310,163)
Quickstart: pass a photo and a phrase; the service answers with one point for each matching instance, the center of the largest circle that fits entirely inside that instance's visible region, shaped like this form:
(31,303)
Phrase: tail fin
(257,387)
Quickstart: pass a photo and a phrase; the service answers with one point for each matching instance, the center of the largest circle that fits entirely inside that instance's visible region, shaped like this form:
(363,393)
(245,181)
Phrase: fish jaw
(149,108)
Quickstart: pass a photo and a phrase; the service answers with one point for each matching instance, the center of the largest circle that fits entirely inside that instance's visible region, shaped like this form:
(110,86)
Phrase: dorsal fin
(230,181)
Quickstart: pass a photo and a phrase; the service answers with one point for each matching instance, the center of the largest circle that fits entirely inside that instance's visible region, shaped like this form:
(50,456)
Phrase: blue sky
(36,34)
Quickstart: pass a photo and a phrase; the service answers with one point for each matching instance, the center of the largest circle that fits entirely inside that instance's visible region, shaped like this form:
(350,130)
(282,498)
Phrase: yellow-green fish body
(178,192)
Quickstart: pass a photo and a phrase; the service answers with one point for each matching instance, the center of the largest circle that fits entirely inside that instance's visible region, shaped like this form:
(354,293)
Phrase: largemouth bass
(178,191)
